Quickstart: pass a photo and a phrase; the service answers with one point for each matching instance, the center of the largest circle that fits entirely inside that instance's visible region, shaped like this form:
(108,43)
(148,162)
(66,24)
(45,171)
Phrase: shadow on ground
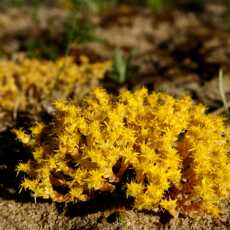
(12,152)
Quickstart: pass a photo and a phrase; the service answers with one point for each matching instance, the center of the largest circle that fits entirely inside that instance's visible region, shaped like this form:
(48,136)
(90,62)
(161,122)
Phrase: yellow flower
(77,194)
(133,189)
(27,83)
(167,147)
(37,129)
(23,167)
(22,136)
(169,205)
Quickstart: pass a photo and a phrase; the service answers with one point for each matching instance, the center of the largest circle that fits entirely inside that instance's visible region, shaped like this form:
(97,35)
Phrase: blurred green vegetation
(100,5)
(22,2)
(154,5)
(122,68)
(77,30)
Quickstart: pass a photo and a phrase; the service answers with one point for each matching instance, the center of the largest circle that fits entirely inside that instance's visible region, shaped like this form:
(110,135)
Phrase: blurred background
(177,46)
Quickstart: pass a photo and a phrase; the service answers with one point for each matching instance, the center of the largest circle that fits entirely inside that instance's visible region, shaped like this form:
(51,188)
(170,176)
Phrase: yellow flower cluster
(29,82)
(177,154)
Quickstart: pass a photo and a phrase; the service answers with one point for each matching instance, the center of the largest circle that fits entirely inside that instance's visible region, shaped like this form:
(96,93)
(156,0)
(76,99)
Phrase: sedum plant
(28,83)
(178,155)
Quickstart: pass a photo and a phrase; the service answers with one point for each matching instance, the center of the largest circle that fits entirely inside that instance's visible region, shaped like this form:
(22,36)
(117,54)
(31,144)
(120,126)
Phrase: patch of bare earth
(180,52)
(26,216)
